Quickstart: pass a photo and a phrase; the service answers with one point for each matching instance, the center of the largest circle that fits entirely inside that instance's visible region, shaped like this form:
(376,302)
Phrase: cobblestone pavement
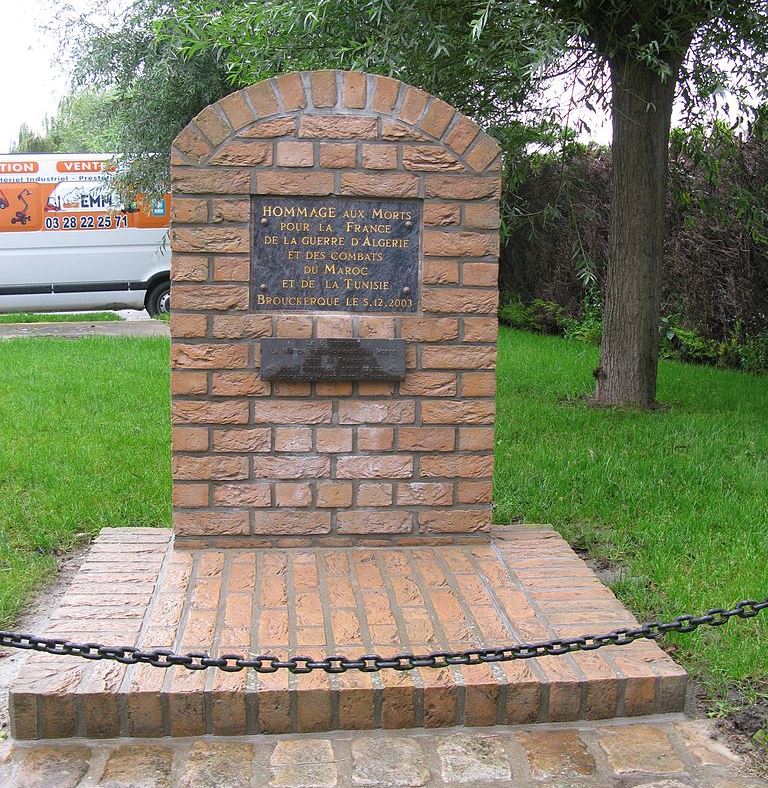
(667,751)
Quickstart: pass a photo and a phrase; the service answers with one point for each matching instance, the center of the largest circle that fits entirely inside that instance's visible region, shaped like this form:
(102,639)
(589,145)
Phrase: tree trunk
(642,109)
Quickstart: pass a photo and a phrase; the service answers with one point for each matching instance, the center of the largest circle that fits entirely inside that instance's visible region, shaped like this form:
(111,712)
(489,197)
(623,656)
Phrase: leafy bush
(589,326)
(754,353)
(515,314)
(542,317)
(589,330)
(740,350)
(715,272)
(548,316)
(683,344)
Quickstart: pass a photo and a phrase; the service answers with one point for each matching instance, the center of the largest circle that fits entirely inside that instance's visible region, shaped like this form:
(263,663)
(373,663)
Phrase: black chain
(370,663)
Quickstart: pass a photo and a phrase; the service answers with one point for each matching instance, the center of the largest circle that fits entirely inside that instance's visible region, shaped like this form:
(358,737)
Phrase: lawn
(679,497)
(57,317)
(84,444)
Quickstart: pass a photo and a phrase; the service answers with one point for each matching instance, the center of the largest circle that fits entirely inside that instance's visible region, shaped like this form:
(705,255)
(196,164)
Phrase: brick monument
(335,240)
(333,205)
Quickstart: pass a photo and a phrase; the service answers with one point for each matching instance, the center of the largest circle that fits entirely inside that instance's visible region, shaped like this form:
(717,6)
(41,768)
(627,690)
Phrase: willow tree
(654,51)
(149,91)
(493,59)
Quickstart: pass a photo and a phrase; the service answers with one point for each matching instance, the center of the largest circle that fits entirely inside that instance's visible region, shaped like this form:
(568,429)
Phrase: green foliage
(167,59)
(31,141)
(715,271)
(153,90)
(753,353)
(588,327)
(83,123)
(740,350)
(721,46)
(543,317)
(527,150)
(58,317)
(434,45)
(515,314)
(686,345)
(733,189)
(547,317)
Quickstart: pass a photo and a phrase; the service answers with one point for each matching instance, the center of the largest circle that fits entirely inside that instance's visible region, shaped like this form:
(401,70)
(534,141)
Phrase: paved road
(97,328)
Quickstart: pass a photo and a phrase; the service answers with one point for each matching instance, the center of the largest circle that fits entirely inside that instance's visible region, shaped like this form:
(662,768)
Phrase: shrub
(542,317)
(754,353)
(685,345)
(589,326)
(715,270)
(514,313)
(748,352)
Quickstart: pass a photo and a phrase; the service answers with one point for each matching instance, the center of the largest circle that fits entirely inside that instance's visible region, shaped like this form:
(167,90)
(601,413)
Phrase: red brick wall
(333,463)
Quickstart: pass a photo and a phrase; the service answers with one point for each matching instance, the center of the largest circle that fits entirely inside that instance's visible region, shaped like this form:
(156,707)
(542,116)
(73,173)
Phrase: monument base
(525,585)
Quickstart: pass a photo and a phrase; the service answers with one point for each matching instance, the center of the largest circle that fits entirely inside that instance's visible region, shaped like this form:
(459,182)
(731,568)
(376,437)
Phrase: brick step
(527,584)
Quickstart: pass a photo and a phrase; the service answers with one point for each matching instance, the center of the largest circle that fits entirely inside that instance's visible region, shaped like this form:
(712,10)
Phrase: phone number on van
(85,222)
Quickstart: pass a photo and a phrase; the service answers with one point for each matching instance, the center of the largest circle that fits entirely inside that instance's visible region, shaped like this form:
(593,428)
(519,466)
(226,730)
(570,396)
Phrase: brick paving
(527,584)
(666,751)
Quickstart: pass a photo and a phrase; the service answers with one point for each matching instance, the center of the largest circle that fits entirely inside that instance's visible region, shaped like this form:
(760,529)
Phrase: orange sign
(77,205)
(83,165)
(21,167)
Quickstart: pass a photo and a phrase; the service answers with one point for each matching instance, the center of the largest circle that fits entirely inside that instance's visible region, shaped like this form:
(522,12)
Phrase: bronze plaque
(334,254)
(332,359)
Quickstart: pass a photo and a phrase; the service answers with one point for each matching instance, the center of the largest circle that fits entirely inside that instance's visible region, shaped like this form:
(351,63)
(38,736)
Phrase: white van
(66,241)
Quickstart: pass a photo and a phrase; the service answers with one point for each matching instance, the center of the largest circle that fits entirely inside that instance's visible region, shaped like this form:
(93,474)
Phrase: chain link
(371,663)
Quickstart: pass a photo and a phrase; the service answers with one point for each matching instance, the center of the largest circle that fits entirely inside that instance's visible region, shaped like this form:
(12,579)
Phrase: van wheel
(159,299)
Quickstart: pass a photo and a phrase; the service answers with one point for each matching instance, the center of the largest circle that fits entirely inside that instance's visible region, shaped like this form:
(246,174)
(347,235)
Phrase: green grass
(57,317)
(679,496)
(84,444)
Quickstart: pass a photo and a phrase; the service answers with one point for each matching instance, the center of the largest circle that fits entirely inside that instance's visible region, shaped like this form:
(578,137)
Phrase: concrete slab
(526,585)
(76,330)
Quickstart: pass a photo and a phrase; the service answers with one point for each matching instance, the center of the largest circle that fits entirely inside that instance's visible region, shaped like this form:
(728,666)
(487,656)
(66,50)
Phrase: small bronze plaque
(332,359)
(335,254)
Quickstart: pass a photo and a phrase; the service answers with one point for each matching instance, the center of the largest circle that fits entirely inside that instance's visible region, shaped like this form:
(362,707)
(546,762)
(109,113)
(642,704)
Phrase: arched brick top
(261,462)
(338,105)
